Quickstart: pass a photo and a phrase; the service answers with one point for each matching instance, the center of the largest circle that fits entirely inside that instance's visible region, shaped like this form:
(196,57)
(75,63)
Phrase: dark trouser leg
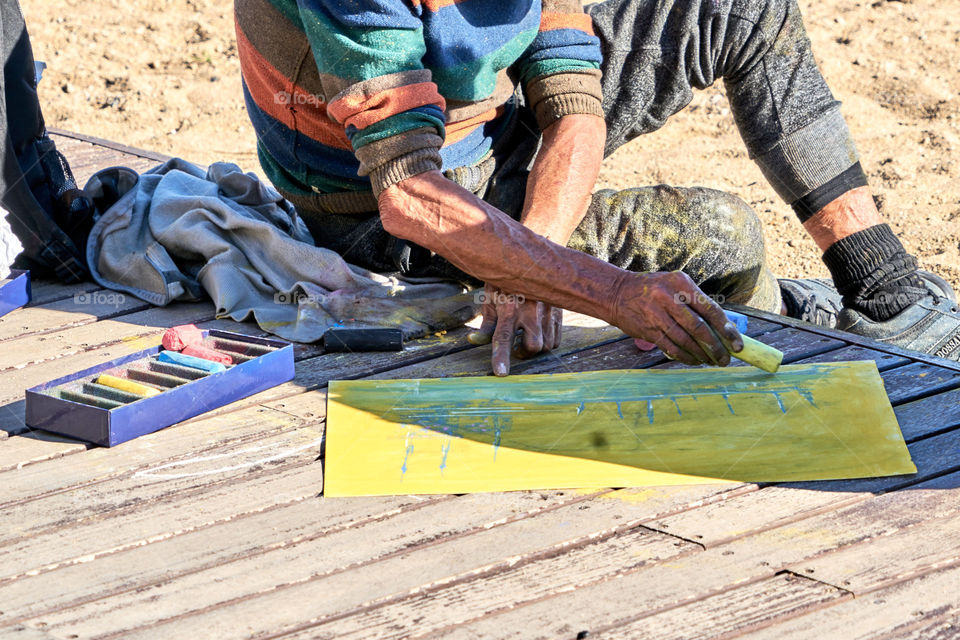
(712,236)
(657,51)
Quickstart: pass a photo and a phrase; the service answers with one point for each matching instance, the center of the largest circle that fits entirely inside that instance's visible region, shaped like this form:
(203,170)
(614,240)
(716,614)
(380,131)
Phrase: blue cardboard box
(111,426)
(14,291)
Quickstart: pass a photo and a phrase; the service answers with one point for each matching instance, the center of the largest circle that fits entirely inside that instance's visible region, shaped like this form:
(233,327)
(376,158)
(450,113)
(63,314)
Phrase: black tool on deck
(362,339)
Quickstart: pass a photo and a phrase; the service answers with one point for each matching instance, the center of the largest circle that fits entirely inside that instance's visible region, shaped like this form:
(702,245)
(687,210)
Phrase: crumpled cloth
(178,232)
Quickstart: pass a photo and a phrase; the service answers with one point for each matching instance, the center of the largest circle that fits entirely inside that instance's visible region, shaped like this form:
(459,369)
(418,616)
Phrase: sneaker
(813,300)
(930,325)
(816,300)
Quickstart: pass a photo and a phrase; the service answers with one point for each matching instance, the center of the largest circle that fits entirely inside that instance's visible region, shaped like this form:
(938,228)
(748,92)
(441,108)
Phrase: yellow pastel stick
(127,385)
(759,355)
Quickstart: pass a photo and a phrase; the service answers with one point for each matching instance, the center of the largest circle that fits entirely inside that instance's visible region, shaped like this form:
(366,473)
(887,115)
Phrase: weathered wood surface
(218,528)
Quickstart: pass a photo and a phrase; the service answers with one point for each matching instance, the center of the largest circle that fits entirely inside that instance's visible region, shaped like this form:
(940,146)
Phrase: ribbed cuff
(807,206)
(809,158)
(555,96)
(404,167)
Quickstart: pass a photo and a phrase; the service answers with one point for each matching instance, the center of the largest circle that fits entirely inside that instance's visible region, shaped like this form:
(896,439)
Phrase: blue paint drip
(779,402)
(677,405)
(496,443)
(650,411)
(580,408)
(619,411)
(729,406)
(406,456)
(806,395)
(445,450)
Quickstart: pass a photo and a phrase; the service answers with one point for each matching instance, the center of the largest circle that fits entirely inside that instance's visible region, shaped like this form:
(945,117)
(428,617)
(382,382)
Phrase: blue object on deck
(738,319)
(16,292)
(174,357)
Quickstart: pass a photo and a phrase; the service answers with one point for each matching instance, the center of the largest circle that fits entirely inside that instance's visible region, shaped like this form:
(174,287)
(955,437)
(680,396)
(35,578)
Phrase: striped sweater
(350,97)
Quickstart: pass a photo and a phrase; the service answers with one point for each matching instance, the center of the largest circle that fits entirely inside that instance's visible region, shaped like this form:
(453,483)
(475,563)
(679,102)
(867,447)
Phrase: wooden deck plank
(82,308)
(918,380)
(733,612)
(436,610)
(32,349)
(47,291)
(467,556)
(99,464)
(690,578)
(777,506)
(172,514)
(848,337)
(476,362)
(896,557)
(900,556)
(32,447)
(918,609)
(929,415)
(884,361)
(310,556)
(58,512)
(149,566)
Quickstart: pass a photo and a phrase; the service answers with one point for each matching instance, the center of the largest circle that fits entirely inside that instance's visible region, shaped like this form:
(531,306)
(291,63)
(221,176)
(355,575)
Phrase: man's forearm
(563,176)
(436,213)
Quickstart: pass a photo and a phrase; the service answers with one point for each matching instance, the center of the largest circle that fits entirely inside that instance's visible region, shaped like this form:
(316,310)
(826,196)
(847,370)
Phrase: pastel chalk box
(78,407)
(14,291)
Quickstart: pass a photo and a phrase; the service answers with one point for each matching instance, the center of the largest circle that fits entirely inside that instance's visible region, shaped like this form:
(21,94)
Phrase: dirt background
(164,75)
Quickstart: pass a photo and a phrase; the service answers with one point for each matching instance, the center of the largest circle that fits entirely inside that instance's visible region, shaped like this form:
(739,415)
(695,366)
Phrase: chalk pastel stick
(759,355)
(142,390)
(176,338)
(193,362)
(93,401)
(738,319)
(207,354)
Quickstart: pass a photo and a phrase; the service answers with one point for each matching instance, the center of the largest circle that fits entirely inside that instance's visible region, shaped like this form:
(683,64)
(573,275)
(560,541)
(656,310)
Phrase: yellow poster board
(611,429)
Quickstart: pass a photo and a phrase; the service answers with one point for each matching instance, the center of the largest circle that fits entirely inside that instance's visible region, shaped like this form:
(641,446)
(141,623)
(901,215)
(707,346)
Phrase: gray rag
(176,231)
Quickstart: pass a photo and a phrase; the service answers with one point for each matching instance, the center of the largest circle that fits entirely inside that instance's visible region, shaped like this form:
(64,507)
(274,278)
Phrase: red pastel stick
(176,338)
(198,351)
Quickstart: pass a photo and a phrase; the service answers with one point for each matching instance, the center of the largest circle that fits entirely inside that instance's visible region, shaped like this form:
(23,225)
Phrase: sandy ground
(164,75)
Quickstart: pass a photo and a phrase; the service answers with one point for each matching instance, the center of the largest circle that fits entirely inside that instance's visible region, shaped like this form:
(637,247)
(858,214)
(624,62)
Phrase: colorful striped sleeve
(368,54)
(561,68)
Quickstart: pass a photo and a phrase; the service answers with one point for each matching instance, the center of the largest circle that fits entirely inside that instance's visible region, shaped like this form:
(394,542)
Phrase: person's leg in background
(50,216)
(657,51)
(665,228)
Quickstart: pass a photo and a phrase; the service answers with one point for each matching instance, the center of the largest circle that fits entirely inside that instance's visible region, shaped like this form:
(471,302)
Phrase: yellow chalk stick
(759,355)
(127,385)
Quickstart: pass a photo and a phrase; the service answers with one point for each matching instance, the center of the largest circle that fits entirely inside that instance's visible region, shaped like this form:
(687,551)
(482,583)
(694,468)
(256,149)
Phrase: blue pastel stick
(174,357)
(738,319)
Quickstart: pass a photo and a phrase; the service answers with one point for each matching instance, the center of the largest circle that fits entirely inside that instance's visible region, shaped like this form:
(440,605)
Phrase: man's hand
(670,311)
(503,315)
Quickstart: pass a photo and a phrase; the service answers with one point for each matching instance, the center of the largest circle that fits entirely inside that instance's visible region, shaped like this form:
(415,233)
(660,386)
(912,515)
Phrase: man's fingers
(503,338)
(681,345)
(484,335)
(718,320)
(556,321)
(530,319)
(704,336)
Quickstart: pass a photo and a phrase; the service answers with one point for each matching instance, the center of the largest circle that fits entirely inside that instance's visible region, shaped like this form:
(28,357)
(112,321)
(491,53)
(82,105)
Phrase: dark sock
(874,273)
